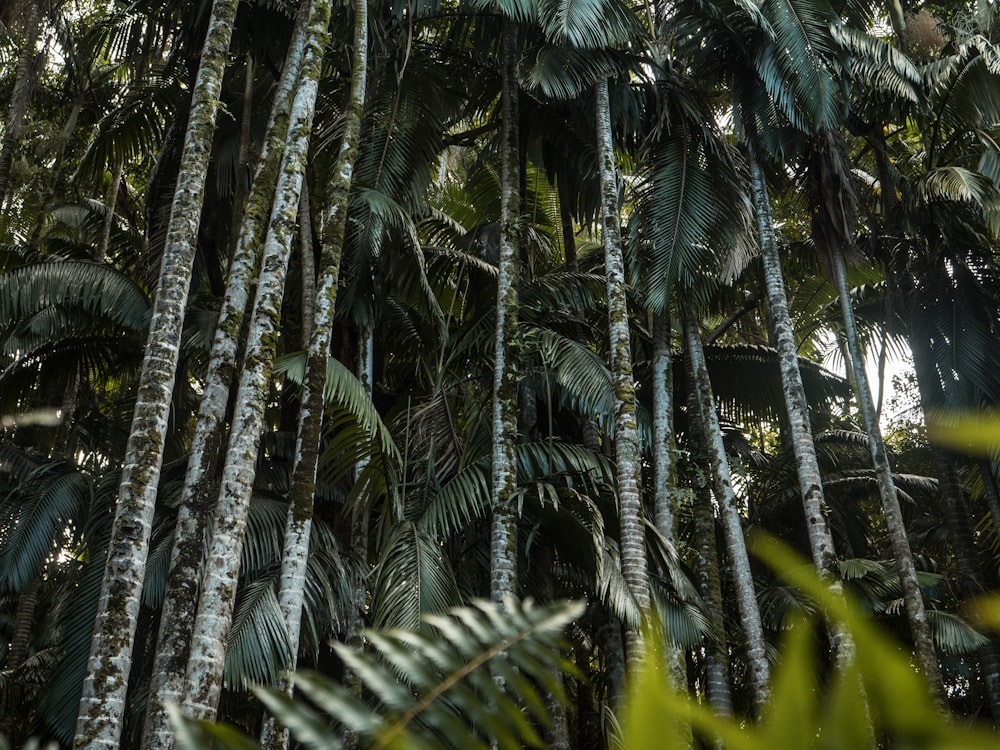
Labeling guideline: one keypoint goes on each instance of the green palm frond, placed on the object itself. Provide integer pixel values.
(561, 73)
(413, 578)
(588, 23)
(44, 302)
(345, 392)
(257, 650)
(955, 183)
(45, 514)
(952, 634)
(878, 67)
(580, 376)
(437, 687)
(799, 69)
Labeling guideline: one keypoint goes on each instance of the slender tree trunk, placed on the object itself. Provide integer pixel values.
(706, 569)
(628, 456)
(308, 265)
(729, 513)
(24, 84)
(810, 481)
(299, 524)
(102, 703)
(665, 469)
(203, 678)
(920, 630)
(200, 487)
(503, 535)
(109, 218)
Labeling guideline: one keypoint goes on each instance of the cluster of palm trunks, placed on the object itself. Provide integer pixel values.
(320, 317)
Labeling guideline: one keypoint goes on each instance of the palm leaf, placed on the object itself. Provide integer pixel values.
(436, 687)
(257, 650)
(413, 578)
(590, 24)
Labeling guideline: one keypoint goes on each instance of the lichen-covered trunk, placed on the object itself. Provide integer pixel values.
(203, 677)
(200, 489)
(810, 481)
(950, 493)
(920, 630)
(824, 554)
(24, 84)
(707, 420)
(628, 456)
(299, 523)
(503, 534)
(102, 703)
(665, 469)
(707, 571)
(110, 202)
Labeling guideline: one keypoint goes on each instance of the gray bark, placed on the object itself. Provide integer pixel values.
(295, 552)
(24, 84)
(200, 487)
(706, 569)
(627, 451)
(203, 677)
(102, 703)
(503, 534)
(920, 630)
(730, 515)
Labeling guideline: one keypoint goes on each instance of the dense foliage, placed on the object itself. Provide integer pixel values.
(323, 324)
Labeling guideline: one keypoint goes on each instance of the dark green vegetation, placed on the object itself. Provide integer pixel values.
(319, 320)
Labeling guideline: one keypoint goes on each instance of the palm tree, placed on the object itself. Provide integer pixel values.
(297, 531)
(181, 596)
(103, 698)
(503, 537)
(706, 420)
(203, 677)
(24, 84)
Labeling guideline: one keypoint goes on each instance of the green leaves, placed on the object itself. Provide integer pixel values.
(436, 687)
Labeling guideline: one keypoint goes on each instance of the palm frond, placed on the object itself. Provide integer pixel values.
(413, 578)
(437, 686)
(590, 24)
(257, 650)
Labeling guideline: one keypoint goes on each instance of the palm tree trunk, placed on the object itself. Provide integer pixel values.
(299, 525)
(109, 218)
(203, 678)
(102, 703)
(706, 569)
(732, 523)
(627, 452)
(180, 598)
(24, 84)
(503, 534)
(920, 629)
(665, 469)
(820, 540)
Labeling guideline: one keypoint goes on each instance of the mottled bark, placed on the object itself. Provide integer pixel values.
(24, 84)
(110, 202)
(810, 481)
(664, 467)
(102, 703)
(203, 678)
(295, 553)
(920, 630)
(308, 263)
(200, 486)
(707, 571)
(707, 420)
(628, 456)
(503, 533)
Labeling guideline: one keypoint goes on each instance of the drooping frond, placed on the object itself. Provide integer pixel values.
(588, 23)
(257, 650)
(799, 70)
(436, 687)
(413, 578)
